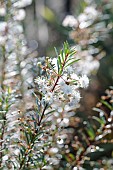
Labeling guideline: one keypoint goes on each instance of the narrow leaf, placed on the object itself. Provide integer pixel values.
(107, 104)
(69, 64)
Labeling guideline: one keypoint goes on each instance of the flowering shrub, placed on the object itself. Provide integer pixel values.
(46, 136)
(49, 134)
(57, 83)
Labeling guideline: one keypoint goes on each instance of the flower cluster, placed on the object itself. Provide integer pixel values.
(58, 93)
(61, 81)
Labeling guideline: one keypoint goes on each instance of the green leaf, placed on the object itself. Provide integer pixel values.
(71, 63)
(62, 55)
(59, 62)
(107, 104)
(69, 59)
(27, 137)
(102, 122)
(50, 112)
(66, 47)
(72, 53)
(90, 131)
(97, 109)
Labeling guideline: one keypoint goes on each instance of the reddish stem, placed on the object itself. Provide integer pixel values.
(59, 75)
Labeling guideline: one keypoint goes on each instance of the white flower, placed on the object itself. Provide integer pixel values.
(60, 141)
(22, 3)
(5, 158)
(67, 89)
(3, 26)
(48, 97)
(75, 168)
(2, 11)
(53, 150)
(70, 21)
(20, 15)
(74, 76)
(90, 10)
(69, 69)
(17, 29)
(84, 81)
(40, 81)
(3, 40)
(82, 17)
(74, 99)
(66, 121)
(16, 152)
